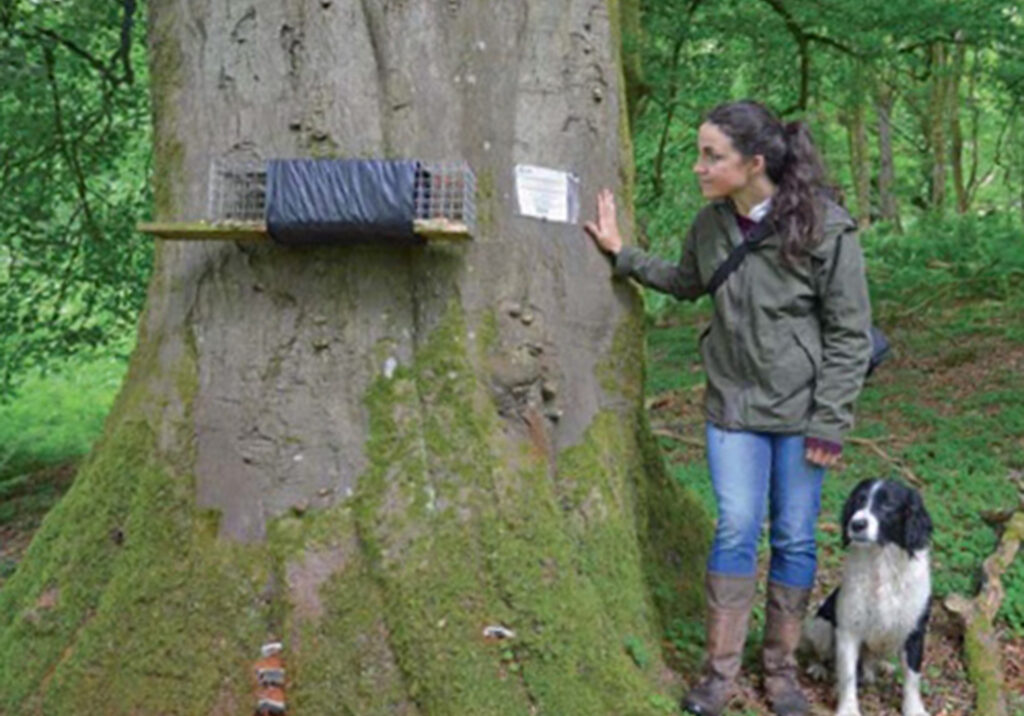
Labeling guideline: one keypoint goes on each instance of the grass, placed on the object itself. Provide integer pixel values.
(45, 429)
(54, 418)
(948, 409)
(952, 417)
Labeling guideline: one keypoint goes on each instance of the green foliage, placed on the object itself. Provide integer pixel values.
(1013, 601)
(687, 638)
(637, 651)
(74, 158)
(816, 61)
(55, 417)
(662, 703)
(979, 256)
(947, 291)
(950, 406)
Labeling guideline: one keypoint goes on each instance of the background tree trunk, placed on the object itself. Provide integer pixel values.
(961, 184)
(936, 119)
(884, 101)
(371, 453)
(852, 118)
(858, 138)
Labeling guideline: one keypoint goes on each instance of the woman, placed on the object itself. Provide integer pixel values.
(785, 356)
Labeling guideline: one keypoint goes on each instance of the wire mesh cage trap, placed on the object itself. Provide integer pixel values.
(244, 201)
(237, 191)
(444, 195)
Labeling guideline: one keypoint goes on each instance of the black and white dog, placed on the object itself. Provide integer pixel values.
(882, 605)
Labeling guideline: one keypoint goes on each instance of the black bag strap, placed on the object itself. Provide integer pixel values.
(732, 262)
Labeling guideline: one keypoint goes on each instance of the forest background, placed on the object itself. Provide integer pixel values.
(916, 106)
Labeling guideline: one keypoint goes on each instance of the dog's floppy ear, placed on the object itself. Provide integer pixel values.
(849, 507)
(917, 523)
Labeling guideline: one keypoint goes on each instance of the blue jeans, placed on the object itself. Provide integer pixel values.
(749, 472)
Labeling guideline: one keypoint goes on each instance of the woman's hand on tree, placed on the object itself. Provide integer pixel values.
(606, 231)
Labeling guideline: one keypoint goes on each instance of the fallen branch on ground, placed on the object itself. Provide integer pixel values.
(667, 397)
(873, 445)
(981, 645)
(936, 295)
(665, 433)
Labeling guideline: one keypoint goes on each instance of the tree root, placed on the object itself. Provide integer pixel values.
(981, 645)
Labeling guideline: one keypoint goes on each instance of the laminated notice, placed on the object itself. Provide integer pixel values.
(547, 194)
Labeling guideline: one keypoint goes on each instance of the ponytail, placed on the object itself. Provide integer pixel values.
(792, 163)
(796, 207)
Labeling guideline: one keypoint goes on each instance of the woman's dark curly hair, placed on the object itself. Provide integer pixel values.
(792, 163)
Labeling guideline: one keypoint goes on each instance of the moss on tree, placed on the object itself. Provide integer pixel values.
(128, 602)
(127, 594)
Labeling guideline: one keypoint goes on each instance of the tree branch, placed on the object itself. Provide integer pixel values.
(69, 151)
(824, 40)
(803, 40)
(671, 102)
(121, 55)
(665, 433)
(124, 50)
(873, 445)
(670, 113)
(42, 32)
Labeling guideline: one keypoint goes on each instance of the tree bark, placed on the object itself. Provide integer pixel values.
(884, 101)
(936, 123)
(371, 453)
(851, 116)
(961, 185)
(632, 57)
(858, 139)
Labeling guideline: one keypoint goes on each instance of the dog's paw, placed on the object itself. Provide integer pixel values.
(913, 708)
(848, 711)
(817, 671)
(912, 703)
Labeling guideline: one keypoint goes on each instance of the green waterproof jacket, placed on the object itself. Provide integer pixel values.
(789, 342)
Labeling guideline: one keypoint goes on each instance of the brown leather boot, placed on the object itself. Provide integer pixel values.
(729, 602)
(784, 615)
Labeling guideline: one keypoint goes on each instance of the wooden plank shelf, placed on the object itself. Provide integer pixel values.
(201, 230)
(440, 229)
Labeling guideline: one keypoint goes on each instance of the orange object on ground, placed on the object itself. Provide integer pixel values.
(271, 701)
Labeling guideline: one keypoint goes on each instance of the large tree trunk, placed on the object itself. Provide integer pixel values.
(371, 453)
(632, 56)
